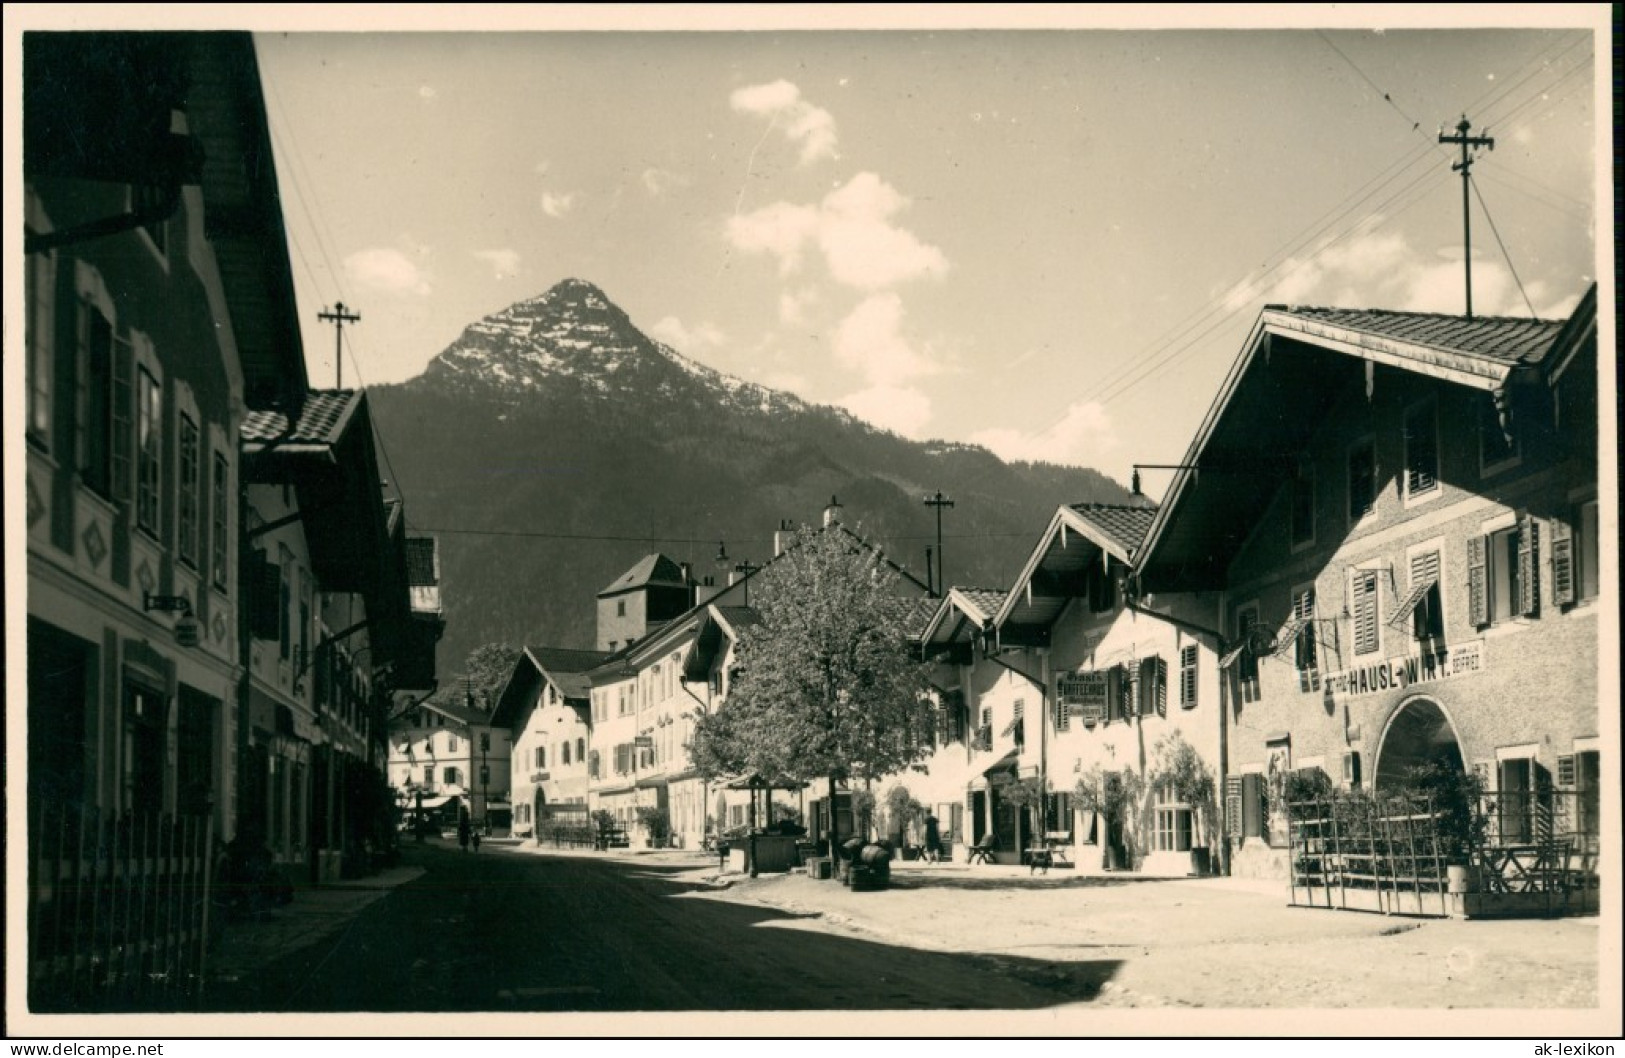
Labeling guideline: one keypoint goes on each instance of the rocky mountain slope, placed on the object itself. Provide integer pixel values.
(554, 443)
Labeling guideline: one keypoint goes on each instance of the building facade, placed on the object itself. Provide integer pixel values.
(546, 709)
(1419, 583)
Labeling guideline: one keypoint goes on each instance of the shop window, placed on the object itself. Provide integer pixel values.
(1187, 677)
(1362, 480)
(1421, 451)
(186, 492)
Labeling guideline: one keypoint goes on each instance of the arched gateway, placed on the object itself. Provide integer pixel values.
(1418, 733)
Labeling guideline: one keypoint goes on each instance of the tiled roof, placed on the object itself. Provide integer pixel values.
(1122, 524)
(651, 569)
(987, 600)
(450, 702)
(1503, 339)
(421, 568)
(914, 615)
(740, 616)
(567, 668)
(322, 419)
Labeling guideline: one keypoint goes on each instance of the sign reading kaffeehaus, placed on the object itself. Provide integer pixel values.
(1397, 673)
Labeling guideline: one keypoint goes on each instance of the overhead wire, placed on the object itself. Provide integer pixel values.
(1498, 241)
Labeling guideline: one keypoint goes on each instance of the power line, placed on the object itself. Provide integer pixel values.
(646, 538)
(1507, 256)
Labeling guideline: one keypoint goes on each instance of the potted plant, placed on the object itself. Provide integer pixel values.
(1111, 794)
(656, 823)
(1027, 796)
(1180, 772)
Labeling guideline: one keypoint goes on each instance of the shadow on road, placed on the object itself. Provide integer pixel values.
(945, 880)
(521, 933)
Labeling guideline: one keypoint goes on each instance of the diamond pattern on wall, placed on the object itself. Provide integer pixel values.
(36, 506)
(219, 626)
(144, 577)
(95, 546)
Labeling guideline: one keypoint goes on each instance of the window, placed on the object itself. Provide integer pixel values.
(1187, 677)
(1173, 828)
(450, 776)
(1496, 452)
(485, 741)
(148, 449)
(1502, 573)
(620, 607)
(218, 546)
(428, 775)
(1305, 646)
(1153, 686)
(40, 280)
(285, 604)
(187, 493)
(451, 743)
(581, 749)
(1574, 556)
(1303, 506)
(1364, 590)
(104, 401)
(1362, 480)
(537, 756)
(1427, 613)
(1421, 451)
(1247, 663)
(565, 756)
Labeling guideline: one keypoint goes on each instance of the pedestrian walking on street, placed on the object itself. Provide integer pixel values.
(475, 838)
(933, 839)
(463, 830)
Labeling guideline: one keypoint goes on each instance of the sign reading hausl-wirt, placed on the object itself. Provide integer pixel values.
(1393, 674)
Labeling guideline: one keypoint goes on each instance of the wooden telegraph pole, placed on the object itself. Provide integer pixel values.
(1465, 168)
(338, 318)
(939, 501)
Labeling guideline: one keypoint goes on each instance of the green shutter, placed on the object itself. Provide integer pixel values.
(1562, 563)
(1478, 596)
(1528, 566)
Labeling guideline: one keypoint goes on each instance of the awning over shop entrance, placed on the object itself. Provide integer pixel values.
(1005, 765)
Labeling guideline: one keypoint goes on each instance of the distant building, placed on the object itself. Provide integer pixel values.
(449, 759)
(643, 598)
(546, 709)
(1397, 515)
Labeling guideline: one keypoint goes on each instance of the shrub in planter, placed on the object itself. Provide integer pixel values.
(1112, 794)
(657, 823)
(1456, 797)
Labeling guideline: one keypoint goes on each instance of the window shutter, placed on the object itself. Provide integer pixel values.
(1187, 677)
(123, 355)
(1365, 611)
(1478, 596)
(1528, 566)
(1562, 563)
(1232, 806)
(1565, 772)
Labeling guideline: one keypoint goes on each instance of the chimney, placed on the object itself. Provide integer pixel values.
(782, 536)
(832, 513)
(705, 590)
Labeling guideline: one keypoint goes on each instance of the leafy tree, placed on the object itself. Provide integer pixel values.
(828, 686)
(485, 673)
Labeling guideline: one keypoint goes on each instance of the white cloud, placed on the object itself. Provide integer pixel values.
(1081, 438)
(504, 263)
(870, 341)
(810, 127)
(428, 91)
(902, 410)
(387, 270)
(853, 229)
(862, 247)
(793, 306)
(674, 333)
(781, 229)
(659, 181)
(558, 204)
(1381, 269)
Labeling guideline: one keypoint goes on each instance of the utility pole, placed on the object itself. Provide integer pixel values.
(939, 501)
(1465, 168)
(338, 318)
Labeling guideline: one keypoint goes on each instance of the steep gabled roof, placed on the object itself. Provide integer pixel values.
(1292, 369)
(567, 669)
(651, 571)
(322, 418)
(1077, 536)
(961, 611)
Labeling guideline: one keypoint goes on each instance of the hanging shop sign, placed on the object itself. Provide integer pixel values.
(1398, 673)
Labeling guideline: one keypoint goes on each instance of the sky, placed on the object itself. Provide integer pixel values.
(1049, 242)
